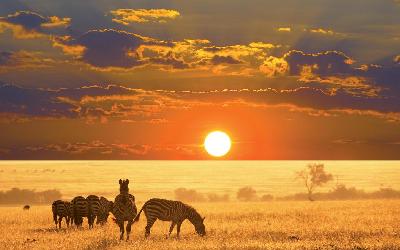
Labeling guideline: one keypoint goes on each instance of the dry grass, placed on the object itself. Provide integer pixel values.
(275, 225)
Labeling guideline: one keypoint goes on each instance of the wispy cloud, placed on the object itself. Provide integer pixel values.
(27, 25)
(128, 16)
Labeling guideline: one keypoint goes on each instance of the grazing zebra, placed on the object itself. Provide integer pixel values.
(61, 209)
(94, 207)
(80, 209)
(175, 211)
(124, 208)
(106, 207)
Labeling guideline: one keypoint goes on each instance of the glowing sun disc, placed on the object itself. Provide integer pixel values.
(217, 143)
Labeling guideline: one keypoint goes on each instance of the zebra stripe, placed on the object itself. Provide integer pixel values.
(168, 210)
(61, 209)
(105, 208)
(94, 207)
(80, 208)
(124, 208)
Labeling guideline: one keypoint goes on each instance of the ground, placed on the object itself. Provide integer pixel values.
(234, 225)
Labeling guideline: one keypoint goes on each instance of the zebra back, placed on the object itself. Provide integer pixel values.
(80, 208)
(124, 208)
(54, 209)
(169, 210)
(106, 207)
(94, 204)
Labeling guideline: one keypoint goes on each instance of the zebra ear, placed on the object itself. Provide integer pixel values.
(204, 218)
(127, 181)
(120, 181)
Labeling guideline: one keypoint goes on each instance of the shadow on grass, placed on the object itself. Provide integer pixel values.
(52, 230)
(103, 244)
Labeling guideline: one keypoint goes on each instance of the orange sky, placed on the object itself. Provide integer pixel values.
(141, 80)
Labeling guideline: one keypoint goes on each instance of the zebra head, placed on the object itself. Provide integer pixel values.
(199, 227)
(198, 222)
(123, 186)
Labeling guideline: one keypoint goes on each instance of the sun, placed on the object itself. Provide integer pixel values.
(217, 143)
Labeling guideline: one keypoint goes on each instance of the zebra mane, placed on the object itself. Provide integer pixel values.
(193, 211)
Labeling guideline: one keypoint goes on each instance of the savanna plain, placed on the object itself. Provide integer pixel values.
(368, 224)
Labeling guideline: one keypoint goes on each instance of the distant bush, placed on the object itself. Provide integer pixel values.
(24, 196)
(212, 197)
(341, 192)
(246, 194)
(190, 195)
(266, 197)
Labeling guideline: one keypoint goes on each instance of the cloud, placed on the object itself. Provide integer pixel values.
(22, 60)
(32, 102)
(397, 59)
(111, 49)
(323, 31)
(216, 59)
(128, 16)
(273, 66)
(114, 49)
(97, 149)
(285, 29)
(101, 104)
(324, 63)
(106, 48)
(27, 24)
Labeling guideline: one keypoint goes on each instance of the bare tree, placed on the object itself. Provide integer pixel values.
(314, 176)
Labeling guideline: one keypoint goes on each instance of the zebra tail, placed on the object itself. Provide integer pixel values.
(138, 215)
(55, 217)
(53, 209)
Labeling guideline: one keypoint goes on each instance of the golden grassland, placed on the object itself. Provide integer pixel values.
(372, 224)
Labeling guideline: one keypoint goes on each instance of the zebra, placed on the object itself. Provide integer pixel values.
(94, 207)
(175, 211)
(80, 209)
(124, 208)
(61, 209)
(106, 207)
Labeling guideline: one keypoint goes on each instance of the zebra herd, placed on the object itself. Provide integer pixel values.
(124, 209)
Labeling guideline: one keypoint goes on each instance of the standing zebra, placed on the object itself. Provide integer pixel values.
(175, 211)
(80, 209)
(61, 209)
(106, 207)
(94, 207)
(124, 208)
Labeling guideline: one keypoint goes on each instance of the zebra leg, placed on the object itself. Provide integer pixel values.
(121, 229)
(90, 220)
(56, 221)
(128, 229)
(150, 222)
(59, 221)
(178, 228)
(171, 228)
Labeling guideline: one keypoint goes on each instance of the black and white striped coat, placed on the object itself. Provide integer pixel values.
(106, 207)
(80, 209)
(61, 209)
(124, 208)
(94, 208)
(168, 210)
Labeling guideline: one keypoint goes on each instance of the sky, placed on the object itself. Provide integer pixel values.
(119, 79)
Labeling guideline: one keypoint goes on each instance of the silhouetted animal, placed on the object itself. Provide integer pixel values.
(168, 210)
(61, 209)
(106, 207)
(80, 209)
(124, 208)
(94, 207)
(26, 207)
